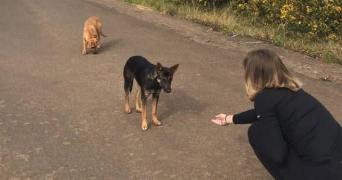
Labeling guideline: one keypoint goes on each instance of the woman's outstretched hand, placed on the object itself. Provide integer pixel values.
(223, 119)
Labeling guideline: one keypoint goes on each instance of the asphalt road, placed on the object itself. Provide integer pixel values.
(62, 113)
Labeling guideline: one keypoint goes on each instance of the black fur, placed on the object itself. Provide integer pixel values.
(151, 79)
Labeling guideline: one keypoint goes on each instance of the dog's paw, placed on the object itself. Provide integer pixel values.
(98, 46)
(128, 110)
(157, 123)
(138, 110)
(84, 52)
(144, 127)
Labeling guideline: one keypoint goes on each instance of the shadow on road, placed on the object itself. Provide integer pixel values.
(179, 102)
(107, 45)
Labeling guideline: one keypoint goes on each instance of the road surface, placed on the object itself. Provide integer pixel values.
(62, 113)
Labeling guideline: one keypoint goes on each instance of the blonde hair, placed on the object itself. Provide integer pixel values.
(264, 69)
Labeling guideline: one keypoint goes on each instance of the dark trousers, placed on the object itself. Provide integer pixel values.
(294, 168)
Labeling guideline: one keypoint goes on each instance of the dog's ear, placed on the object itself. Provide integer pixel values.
(174, 68)
(159, 67)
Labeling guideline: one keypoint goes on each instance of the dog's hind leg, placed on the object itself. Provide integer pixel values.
(100, 29)
(138, 100)
(154, 109)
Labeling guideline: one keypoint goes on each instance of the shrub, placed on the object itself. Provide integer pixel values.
(316, 19)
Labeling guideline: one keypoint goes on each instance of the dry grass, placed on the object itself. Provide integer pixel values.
(225, 21)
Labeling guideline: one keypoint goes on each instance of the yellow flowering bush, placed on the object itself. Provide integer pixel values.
(316, 19)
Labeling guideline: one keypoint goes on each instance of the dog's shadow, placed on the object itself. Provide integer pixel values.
(178, 102)
(107, 45)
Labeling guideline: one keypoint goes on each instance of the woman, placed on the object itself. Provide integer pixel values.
(293, 134)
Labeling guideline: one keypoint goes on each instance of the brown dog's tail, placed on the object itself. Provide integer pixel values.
(102, 33)
(100, 27)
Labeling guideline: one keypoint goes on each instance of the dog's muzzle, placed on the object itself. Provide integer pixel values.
(167, 90)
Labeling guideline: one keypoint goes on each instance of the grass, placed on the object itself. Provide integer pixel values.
(225, 21)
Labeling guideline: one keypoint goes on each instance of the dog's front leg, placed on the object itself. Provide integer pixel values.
(98, 40)
(154, 109)
(144, 125)
(138, 100)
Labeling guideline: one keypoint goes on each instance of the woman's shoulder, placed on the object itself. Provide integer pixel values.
(274, 95)
(278, 91)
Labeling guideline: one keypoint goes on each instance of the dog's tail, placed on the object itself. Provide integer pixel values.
(128, 85)
(100, 27)
(128, 76)
(102, 33)
(131, 87)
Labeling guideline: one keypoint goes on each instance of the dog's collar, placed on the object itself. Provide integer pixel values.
(158, 80)
(155, 76)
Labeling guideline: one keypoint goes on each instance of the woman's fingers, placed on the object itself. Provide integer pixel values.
(220, 115)
(219, 122)
(219, 119)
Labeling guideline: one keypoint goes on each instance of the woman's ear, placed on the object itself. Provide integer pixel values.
(174, 68)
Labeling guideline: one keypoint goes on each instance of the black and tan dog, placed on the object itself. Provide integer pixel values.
(150, 79)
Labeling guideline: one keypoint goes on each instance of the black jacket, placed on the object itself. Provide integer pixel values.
(294, 120)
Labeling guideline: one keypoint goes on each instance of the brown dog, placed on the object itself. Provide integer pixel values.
(92, 34)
